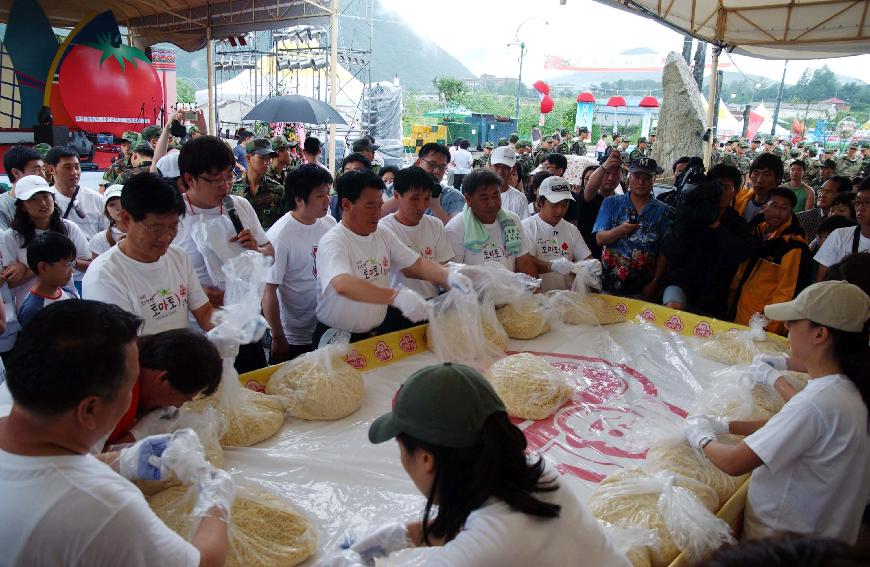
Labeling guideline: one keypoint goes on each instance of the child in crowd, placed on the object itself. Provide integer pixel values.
(51, 256)
(103, 241)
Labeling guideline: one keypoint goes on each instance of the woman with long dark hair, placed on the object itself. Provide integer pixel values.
(496, 506)
(810, 462)
(35, 213)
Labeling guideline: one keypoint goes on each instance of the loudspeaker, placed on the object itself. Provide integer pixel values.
(51, 135)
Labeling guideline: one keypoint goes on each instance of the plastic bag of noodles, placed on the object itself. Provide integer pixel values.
(463, 330)
(740, 347)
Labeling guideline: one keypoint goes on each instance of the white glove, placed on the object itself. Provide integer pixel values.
(763, 374)
(216, 489)
(142, 460)
(776, 361)
(699, 430)
(459, 281)
(720, 424)
(591, 267)
(155, 422)
(412, 305)
(562, 266)
(383, 542)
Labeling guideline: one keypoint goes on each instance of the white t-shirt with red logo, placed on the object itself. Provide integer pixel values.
(428, 239)
(162, 293)
(372, 258)
(548, 243)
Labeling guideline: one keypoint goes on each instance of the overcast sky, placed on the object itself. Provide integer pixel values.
(477, 33)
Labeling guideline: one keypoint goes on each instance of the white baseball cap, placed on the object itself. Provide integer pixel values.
(555, 189)
(835, 304)
(112, 191)
(30, 185)
(504, 155)
(168, 165)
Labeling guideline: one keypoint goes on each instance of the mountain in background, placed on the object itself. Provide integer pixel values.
(396, 50)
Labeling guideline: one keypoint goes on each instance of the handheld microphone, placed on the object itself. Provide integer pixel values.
(230, 206)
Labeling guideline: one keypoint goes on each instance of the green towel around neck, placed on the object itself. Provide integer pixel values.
(476, 235)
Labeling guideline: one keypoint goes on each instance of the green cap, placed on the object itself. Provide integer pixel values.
(42, 149)
(192, 129)
(734, 139)
(794, 153)
(641, 140)
(652, 132)
(865, 145)
(150, 132)
(279, 143)
(445, 404)
(130, 136)
(769, 141)
(742, 144)
(502, 142)
(811, 150)
(259, 146)
(488, 145)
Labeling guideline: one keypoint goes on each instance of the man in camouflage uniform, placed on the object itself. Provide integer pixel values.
(524, 158)
(624, 155)
(281, 162)
(483, 159)
(716, 153)
(813, 164)
(616, 142)
(578, 146)
(641, 150)
(140, 162)
(122, 164)
(543, 150)
(151, 134)
(742, 159)
(849, 165)
(265, 194)
(564, 146)
(827, 169)
(652, 139)
(754, 150)
(865, 157)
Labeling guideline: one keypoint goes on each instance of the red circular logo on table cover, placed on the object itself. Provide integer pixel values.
(255, 386)
(383, 352)
(674, 323)
(648, 315)
(356, 360)
(702, 329)
(586, 437)
(408, 343)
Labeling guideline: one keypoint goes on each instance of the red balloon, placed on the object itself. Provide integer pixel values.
(542, 87)
(547, 104)
(585, 97)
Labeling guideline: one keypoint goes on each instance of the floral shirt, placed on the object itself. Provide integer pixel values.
(629, 263)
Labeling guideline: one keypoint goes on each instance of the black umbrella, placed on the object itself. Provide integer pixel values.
(295, 108)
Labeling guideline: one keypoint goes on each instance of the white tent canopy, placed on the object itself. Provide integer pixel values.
(769, 29)
(727, 125)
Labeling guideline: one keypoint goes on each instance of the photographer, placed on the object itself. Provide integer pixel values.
(707, 242)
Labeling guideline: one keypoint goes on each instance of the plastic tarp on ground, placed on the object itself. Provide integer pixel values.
(383, 120)
(620, 374)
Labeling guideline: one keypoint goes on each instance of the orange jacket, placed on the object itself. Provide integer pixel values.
(777, 272)
(740, 200)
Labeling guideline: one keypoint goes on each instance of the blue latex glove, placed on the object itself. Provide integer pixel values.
(142, 460)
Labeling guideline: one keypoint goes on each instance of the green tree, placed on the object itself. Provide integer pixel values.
(823, 84)
(185, 90)
(450, 90)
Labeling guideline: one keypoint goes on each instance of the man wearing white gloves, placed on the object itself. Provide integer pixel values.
(70, 377)
(556, 245)
(355, 260)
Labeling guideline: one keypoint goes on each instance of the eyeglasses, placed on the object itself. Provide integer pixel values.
(435, 165)
(862, 203)
(161, 229)
(218, 181)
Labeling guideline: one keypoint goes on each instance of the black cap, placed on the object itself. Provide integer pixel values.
(363, 145)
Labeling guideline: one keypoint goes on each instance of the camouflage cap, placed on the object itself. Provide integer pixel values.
(642, 140)
(734, 139)
(42, 149)
(756, 140)
(742, 144)
(259, 146)
(865, 145)
(787, 142)
(130, 136)
(794, 153)
(769, 141)
(828, 150)
(829, 163)
(488, 145)
(279, 143)
(150, 132)
(652, 132)
(812, 150)
(502, 142)
(853, 146)
(193, 129)
(143, 147)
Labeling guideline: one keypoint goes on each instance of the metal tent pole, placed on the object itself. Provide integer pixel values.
(333, 82)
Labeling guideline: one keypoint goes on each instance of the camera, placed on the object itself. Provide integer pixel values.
(633, 217)
(177, 129)
(190, 115)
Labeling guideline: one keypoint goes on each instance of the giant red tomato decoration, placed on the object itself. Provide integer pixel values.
(547, 104)
(109, 87)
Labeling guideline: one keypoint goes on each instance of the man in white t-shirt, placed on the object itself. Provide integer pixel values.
(209, 235)
(502, 162)
(79, 205)
(485, 232)
(555, 244)
(844, 241)
(70, 378)
(355, 263)
(144, 274)
(290, 296)
(424, 234)
(462, 162)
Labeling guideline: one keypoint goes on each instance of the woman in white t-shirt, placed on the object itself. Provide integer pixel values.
(103, 241)
(495, 505)
(810, 462)
(35, 213)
